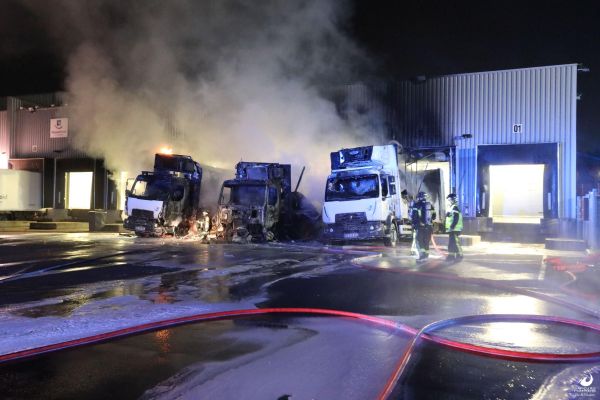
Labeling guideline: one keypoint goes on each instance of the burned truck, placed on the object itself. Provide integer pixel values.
(259, 204)
(165, 200)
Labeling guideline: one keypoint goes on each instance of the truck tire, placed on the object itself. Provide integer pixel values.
(392, 239)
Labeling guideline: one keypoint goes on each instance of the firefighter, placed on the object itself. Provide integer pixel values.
(454, 226)
(204, 226)
(414, 249)
(410, 203)
(422, 216)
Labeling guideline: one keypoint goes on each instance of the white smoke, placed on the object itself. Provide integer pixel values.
(219, 80)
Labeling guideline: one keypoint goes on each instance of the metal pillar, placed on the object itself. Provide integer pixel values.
(54, 186)
(593, 219)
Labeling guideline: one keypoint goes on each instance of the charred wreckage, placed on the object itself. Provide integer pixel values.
(259, 205)
(167, 199)
(363, 200)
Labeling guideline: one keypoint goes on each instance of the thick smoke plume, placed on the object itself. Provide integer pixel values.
(219, 80)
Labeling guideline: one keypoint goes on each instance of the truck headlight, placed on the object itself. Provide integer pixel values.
(375, 227)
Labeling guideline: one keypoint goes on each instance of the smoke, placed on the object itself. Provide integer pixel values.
(219, 80)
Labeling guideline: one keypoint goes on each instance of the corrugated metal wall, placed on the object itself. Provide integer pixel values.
(30, 131)
(486, 105)
(432, 112)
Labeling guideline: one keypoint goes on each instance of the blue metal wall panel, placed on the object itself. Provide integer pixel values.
(486, 105)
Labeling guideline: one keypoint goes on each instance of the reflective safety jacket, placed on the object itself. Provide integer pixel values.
(454, 219)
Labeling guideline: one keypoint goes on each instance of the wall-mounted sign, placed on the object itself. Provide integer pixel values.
(517, 128)
(59, 127)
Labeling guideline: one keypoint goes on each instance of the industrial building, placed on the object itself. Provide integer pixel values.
(41, 169)
(505, 141)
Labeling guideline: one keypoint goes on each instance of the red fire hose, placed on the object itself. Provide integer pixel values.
(424, 333)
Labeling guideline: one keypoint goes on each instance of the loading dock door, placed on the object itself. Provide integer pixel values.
(517, 193)
(79, 190)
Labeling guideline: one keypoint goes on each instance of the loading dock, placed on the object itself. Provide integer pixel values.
(489, 121)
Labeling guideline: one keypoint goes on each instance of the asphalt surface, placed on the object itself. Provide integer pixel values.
(62, 286)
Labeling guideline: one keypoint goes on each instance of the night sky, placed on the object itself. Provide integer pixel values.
(404, 39)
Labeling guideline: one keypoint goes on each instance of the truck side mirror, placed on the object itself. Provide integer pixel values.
(127, 193)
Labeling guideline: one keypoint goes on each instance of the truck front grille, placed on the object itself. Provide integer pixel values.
(351, 218)
(145, 214)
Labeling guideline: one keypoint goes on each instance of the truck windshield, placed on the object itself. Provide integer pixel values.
(251, 195)
(150, 188)
(352, 187)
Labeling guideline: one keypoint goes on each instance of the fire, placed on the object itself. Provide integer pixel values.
(166, 150)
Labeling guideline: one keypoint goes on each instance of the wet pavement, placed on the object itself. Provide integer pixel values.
(61, 287)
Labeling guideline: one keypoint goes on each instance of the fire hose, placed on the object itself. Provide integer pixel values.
(416, 335)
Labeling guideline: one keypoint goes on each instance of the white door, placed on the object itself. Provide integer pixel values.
(517, 193)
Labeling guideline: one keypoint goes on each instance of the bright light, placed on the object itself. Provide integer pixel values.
(162, 339)
(3, 160)
(517, 193)
(166, 150)
(512, 333)
(79, 190)
(121, 188)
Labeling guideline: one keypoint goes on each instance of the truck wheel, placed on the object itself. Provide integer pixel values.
(392, 240)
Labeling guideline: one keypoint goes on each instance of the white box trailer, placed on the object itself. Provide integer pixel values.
(20, 190)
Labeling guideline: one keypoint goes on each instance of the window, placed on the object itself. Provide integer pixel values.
(251, 195)
(151, 188)
(392, 184)
(384, 186)
(352, 187)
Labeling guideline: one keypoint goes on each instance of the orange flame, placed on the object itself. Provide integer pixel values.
(166, 150)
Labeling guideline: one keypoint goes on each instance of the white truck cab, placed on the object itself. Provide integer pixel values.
(362, 196)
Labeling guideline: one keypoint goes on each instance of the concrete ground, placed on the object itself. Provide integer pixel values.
(62, 286)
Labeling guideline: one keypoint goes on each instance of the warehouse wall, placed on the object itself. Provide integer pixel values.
(30, 131)
(433, 111)
(487, 104)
